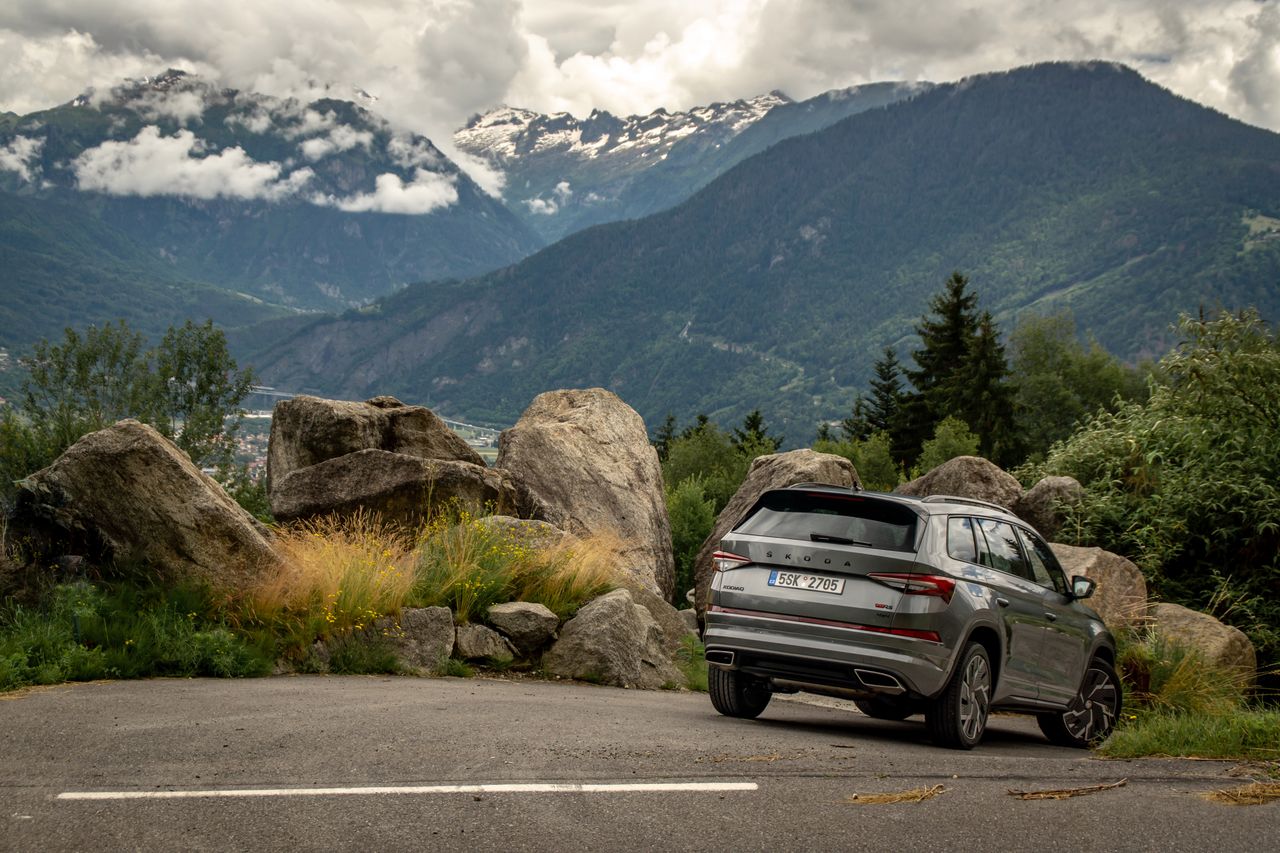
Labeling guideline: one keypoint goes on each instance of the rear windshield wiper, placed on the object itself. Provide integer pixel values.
(836, 540)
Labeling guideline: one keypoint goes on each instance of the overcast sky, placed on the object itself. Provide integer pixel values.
(432, 63)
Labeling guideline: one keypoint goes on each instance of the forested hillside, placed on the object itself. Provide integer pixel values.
(775, 287)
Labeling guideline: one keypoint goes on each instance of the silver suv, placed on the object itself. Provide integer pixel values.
(941, 605)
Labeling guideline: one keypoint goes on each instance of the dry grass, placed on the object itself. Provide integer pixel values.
(334, 576)
(912, 795)
(1256, 794)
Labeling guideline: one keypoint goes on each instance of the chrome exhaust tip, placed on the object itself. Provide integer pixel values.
(879, 681)
(720, 657)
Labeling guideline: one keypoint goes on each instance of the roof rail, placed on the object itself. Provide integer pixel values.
(855, 486)
(956, 499)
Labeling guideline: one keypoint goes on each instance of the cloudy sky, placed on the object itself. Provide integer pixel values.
(432, 63)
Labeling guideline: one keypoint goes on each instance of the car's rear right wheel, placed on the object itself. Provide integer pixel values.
(1093, 712)
(958, 717)
(735, 694)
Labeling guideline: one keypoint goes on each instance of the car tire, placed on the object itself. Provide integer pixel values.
(957, 718)
(736, 695)
(885, 709)
(1093, 712)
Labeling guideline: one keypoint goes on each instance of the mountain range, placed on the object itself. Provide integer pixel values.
(564, 174)
(1076, 186)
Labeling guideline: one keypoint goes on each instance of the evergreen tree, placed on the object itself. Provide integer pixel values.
(754, 436)
(987, 401)
(877, 413)
(664, 436)
(946, 340)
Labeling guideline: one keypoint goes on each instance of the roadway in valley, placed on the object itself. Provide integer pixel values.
(363, 763)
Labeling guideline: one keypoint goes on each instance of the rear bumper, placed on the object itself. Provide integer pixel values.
(826, 655)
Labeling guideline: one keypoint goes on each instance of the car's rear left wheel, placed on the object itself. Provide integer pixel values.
(958, 717)
(735, 694)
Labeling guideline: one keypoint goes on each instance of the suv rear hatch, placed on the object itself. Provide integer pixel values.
(819, 557)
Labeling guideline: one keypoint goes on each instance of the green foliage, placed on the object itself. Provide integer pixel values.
(1187, 483)
(871, 457)
(693, 516)
(454, 668)
(1163, 676)
(1242, 735)
(691, 660)
(250, 493)
(188, 387)
(707, 453)
(1058, 381)
(468, 566)
(121, 631)
(359, 654)
(880, 412)
(753, 439)
(951, 438)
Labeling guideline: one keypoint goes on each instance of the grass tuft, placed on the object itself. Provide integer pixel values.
(691, 660)
(1243, 734)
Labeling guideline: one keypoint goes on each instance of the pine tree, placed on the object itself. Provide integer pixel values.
(879, 412)
(664, 436)
(754, 436)
(987, 402)
(947, 339)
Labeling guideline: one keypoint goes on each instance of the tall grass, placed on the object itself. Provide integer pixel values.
(335, 577)
(468, 566)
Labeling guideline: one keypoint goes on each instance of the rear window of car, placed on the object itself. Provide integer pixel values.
(838, 519)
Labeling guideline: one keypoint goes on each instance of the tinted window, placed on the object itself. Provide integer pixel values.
(960, 540)
(1003, 551)
(852, 520)
(1044, 565)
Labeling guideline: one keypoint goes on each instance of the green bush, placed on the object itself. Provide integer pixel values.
(692, 518)
(1187, 483)
(708, 453)
(951, 438)
(871, 457)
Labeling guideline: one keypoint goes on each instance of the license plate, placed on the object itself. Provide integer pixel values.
(813, 583)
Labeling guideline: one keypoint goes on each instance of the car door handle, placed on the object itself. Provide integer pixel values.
(1003, 602)
(1052, 617)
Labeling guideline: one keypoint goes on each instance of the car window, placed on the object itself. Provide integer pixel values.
(960, 539)
(1044, 565)
(1003, 550)
(839, 519)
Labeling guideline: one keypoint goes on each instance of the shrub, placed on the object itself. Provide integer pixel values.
(951, 438)
(871, 457)
(1187, 483)
(692, 519)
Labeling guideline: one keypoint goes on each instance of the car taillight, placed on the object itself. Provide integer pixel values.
(723, 561)
(938, 586)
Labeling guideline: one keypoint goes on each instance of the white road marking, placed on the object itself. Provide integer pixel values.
(488, 788)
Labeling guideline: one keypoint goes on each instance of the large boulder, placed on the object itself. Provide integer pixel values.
(127, 494)
(1121, 595)
(478, 642)
(1220, 645)
(674, 628)
(587, 456)
(401, 489)
(308, 430)
(422, 637)
(774, 471)
(967, 477)
(613, 641)
(1042, 505)
(528, 625)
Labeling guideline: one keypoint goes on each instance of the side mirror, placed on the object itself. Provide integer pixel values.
(1082, 587)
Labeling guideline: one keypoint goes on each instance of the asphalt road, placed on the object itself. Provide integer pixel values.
(410, 763)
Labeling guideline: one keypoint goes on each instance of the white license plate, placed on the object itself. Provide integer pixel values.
(813, 583)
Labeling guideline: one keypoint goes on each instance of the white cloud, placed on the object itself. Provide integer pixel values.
(186, 106)
(432, 63)
(340, 138)
(559, 198)
(427, 191)
(21, 156)
(541, 206)
(152, 164)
